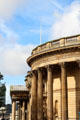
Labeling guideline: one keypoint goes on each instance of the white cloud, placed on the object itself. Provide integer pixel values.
(57, 5)
(7, 35)
(8, 7)
(8, 99)
(13, 59)
(12, 55)
(67, 23)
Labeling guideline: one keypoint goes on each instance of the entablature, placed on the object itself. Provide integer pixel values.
(54, 47)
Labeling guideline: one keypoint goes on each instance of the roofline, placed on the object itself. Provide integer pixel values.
(56, 40)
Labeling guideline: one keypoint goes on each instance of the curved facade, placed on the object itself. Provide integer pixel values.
(55, 89)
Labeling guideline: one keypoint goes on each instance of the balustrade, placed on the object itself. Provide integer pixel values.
(57, 44)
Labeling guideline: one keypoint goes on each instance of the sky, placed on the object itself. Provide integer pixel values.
(20, 24)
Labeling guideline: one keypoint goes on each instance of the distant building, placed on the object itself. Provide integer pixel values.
(20, 97)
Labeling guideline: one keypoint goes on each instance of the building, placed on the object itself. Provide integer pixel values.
(19, 95)
(54, 80)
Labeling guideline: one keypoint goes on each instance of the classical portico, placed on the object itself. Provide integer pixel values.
(37, 93)
(55, 77)
(52, 90)
(19, 96)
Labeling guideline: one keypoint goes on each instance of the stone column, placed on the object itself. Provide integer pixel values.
(23, 110)
(34, 96)
(13, 109)
(30, 107)
(49, 94)
(28, 111)
(64, 92)
(18, 111)
(40, 96)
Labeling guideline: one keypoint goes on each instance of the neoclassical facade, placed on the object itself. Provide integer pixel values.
(54, 80)
(19, 96)
(55, 69)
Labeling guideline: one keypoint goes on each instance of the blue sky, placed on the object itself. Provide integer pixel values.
(20, 22)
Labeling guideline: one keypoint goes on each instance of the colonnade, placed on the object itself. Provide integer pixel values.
(37, 93)
(37, 96)
(21, 110)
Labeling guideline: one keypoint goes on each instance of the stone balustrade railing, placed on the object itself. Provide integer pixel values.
(67, 41)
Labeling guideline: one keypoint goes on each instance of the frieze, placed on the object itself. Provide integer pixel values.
(19, 98)
(55, 59)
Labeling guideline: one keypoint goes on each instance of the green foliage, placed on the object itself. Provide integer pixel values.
(1, 76)
(2, 94)
(2, 91)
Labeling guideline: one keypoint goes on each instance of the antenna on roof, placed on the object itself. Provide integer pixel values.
(40, 35)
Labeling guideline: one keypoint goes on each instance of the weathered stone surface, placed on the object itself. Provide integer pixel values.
(54, 94)
(40, 96)
(13, 110)
(34, 95)
(49, 94)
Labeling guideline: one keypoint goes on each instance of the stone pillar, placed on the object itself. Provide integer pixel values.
(28, 111)
(23, 110)
(13, 110)
(30, 107)
(49, 94)
(40, 96)
(64, 92)
(18, 111)
(34, 96)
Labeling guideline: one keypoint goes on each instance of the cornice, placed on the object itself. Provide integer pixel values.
(51, 50)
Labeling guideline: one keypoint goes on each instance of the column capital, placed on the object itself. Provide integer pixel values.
(78, 62)
(62, 64)
(33, 72)
(40, 69)
(49, 67)
(14, 100)
(18, 103)
(29, 74)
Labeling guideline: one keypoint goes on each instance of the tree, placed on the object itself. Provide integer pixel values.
(1, 76)
(2, 91)
(2, 95)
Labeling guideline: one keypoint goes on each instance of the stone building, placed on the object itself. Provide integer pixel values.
(54, 80)
(19, 95)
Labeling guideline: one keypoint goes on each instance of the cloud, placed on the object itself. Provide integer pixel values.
(67, 23)
(57, 5)
(13, 59)
(8, 7)
(13, 54)
(8, 99)
(7, 35)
